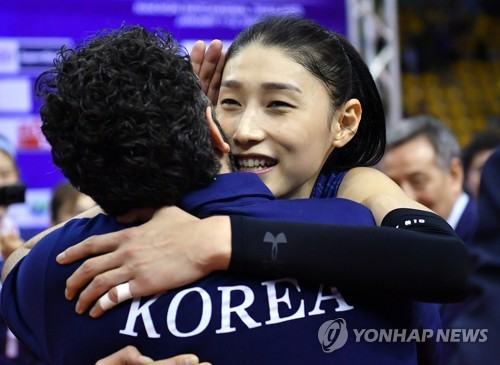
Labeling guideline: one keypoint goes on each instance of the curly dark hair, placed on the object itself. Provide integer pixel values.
(125, 116)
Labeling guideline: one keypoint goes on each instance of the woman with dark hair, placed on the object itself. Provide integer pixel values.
(334, 63)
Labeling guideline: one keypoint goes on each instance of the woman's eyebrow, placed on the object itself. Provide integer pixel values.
(280, 86)
(233, 84)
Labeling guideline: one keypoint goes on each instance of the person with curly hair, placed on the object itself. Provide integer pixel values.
(130, 126)
(94, 119)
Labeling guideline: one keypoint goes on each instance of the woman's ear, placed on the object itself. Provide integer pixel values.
(218, 143)
(349, 119)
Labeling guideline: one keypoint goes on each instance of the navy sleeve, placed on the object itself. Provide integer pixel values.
(423, 259)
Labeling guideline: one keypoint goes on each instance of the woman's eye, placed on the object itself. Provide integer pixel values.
(279, 104)
(229, 102)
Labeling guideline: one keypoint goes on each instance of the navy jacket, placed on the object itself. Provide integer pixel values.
(467, 224)
(223, 319)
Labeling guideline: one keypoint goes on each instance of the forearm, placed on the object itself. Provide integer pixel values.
(418, 261)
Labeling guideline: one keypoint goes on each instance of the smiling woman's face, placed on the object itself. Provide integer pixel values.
(277, 117)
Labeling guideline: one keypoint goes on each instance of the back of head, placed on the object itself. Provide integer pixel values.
(439, 135)
(336, 63)
(486, 140)
(125, 116)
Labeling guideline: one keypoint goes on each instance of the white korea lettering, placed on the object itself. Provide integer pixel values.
(341, 303)
(239, 310)
(274, 301)
(206, 313)
(284, 296)
(137, 310)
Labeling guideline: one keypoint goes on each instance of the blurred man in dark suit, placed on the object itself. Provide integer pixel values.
(423, 157)
(482, 310)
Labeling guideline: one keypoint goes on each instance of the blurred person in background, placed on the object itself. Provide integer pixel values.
(68, 202)
(423, 157)
(481, 311)
(12, 352)
(9, 176)
(474, 156)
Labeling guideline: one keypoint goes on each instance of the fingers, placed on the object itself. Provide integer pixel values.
(208, 66)
(114, 296)
(131, 356)
(179, 360)
(214, 87)
(90, 270)
(105, 246)
(91, 246)
(196, 56)
(143, 257)
(126, 356)
(102, 284)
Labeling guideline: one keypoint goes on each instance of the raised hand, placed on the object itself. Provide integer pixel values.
(208, 65)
